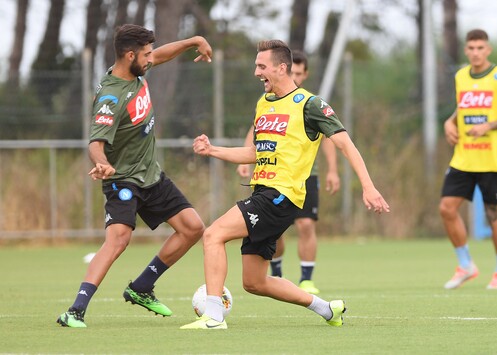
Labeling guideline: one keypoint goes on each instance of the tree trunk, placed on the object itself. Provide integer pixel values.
(49, 47)
(95, 18)
(419, 51)
(121, 17)
(168, 14)
(140, 12)
(450, 43)
(18, 44)
(298, 24)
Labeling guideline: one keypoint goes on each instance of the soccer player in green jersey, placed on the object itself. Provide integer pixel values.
(122, 149)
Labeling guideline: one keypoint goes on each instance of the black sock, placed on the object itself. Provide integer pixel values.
(276, 269)
(306, 272)
(85, 293)
(145, 282)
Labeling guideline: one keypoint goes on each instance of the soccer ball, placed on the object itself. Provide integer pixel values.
(200, 297)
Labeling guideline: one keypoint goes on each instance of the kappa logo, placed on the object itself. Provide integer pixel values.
(105, 110)
(154, 269)
(254, 218)
(107, 217)
(130, 93)
(247, 202)
(83, 292)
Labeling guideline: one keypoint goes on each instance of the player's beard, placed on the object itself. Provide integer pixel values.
(136, 69)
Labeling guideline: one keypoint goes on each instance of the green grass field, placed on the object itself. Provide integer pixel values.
(393, 291)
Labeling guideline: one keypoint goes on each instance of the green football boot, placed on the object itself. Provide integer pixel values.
(146, 300)
(338, 309)
(73, 318)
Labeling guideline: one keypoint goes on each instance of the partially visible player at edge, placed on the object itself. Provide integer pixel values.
(122, 147)
(472, 130)
(305, 222)
(292, 121)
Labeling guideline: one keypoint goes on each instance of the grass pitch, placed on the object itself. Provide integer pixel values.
(393, 291)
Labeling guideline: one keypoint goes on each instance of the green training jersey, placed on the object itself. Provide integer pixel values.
(123, 118)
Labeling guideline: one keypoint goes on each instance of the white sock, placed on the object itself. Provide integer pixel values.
(214, 308)
(321, 307)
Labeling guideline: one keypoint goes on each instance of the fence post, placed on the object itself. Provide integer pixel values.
(216, 166)
(85, 126)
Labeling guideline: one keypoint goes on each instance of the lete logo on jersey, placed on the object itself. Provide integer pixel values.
(140, 106)
(272, 123)
(475, 99)
(326, 109)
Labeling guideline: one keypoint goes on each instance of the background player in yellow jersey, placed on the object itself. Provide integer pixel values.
(288, 125)
(472, 131)
(305, 222)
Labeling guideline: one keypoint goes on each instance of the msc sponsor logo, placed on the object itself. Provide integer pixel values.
(140, 106)
(298, 97)
(263, 174)
(272, 123)
(478, 119)
(148, 127)
(475, 99)
(266, 161)
(265, 146)
(105, 120)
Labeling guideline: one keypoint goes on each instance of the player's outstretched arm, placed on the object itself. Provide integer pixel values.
(371, 197)
(171, 50)
(239, 155)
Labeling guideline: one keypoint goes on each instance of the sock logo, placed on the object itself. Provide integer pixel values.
(254, 218)
(82, 292)
(154, 269)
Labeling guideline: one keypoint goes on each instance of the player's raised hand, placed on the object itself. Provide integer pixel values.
(205, 51)
(373, 200)
(101, 171)
(201, 145)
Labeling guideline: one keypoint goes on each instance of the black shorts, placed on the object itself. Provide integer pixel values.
(311, 203)
(154, 204)
(267, 214)
(462, 184)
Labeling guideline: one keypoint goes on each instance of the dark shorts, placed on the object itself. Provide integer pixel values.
(154, 204)
(267, 214)
(462, 184)
(311, 203)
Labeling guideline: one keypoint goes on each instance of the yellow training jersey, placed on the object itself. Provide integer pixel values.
(284, 152)
(476, 104)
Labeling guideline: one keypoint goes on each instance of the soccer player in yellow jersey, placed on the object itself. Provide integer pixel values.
(472, 130)
(305, 221)
(289, 124)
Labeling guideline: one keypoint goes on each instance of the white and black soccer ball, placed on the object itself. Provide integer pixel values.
(200, 297)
